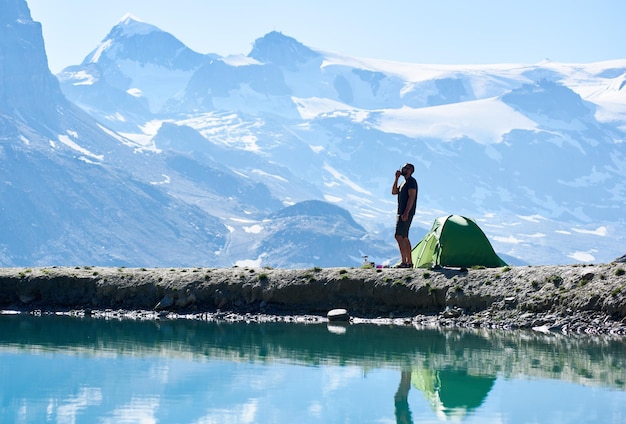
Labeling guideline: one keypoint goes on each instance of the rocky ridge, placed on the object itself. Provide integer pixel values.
(569, 299)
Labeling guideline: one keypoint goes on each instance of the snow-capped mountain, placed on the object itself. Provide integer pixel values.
(75, 192)
(535, 153)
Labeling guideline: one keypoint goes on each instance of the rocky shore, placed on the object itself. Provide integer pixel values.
(587, 299)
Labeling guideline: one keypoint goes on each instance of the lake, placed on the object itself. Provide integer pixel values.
(64, 369)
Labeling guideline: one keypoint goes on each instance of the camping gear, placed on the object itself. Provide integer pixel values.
(455, 241)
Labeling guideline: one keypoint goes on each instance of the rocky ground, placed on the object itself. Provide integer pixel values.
(569, 299)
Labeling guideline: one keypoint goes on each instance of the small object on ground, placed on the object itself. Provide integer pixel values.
(338, 315)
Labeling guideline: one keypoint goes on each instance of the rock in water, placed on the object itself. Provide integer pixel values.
(338, 315)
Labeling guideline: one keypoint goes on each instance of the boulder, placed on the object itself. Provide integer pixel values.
(338, 315)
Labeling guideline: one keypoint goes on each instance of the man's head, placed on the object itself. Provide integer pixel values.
(407, 169)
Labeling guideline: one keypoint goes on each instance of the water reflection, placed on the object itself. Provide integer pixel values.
(55, 368)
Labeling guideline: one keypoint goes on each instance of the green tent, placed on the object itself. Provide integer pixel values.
(455, 241)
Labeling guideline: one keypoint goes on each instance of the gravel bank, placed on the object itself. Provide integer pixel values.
(569, 299)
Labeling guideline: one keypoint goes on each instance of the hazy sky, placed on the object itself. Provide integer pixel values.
(417, 31)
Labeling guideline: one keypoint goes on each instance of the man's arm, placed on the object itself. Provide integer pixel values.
(395, 190)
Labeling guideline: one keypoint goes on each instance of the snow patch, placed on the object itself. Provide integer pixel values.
(313, 107)
(484, 121)
(117, 117)
(535, 235)
(531, 218)
(166, 180)
(332, 199)
(253, 229)
(131, 25)
(72, 144)
(582, 256)
(239, 60)
(82, 78)
(345, 180)
(267, 174)
(600, 231)
(104, 46)
(135, 92)
(509, 239)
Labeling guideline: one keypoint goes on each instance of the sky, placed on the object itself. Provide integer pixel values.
(415, 31)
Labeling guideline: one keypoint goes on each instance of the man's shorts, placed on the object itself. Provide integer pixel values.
(402, 227)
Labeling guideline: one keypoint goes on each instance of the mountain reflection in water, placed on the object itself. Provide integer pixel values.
(164, 368)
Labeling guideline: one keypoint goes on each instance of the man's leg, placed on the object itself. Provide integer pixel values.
(405, 249)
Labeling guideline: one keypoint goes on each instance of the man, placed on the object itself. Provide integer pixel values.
(407, 199)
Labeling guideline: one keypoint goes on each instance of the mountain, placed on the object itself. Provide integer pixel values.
(535, 153)
(68, 192)
(76, 192)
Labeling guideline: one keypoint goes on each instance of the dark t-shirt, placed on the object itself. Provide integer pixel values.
(403, 196)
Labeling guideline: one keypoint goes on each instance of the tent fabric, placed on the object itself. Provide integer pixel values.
(455, 241)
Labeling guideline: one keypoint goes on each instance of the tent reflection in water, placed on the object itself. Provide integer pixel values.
(455, 241)
(452, 393)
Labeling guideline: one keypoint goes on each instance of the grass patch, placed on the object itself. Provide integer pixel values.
(262, 277)
(557, 280)
(426, 275)
(619, 272)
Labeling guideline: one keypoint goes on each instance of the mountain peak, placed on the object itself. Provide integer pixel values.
(130, 25)
(134, 39)
(26, 84)
(279, 49)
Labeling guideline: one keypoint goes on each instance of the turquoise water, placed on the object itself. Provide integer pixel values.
(60, 369)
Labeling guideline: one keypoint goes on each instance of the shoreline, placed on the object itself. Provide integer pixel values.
(568, 299)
